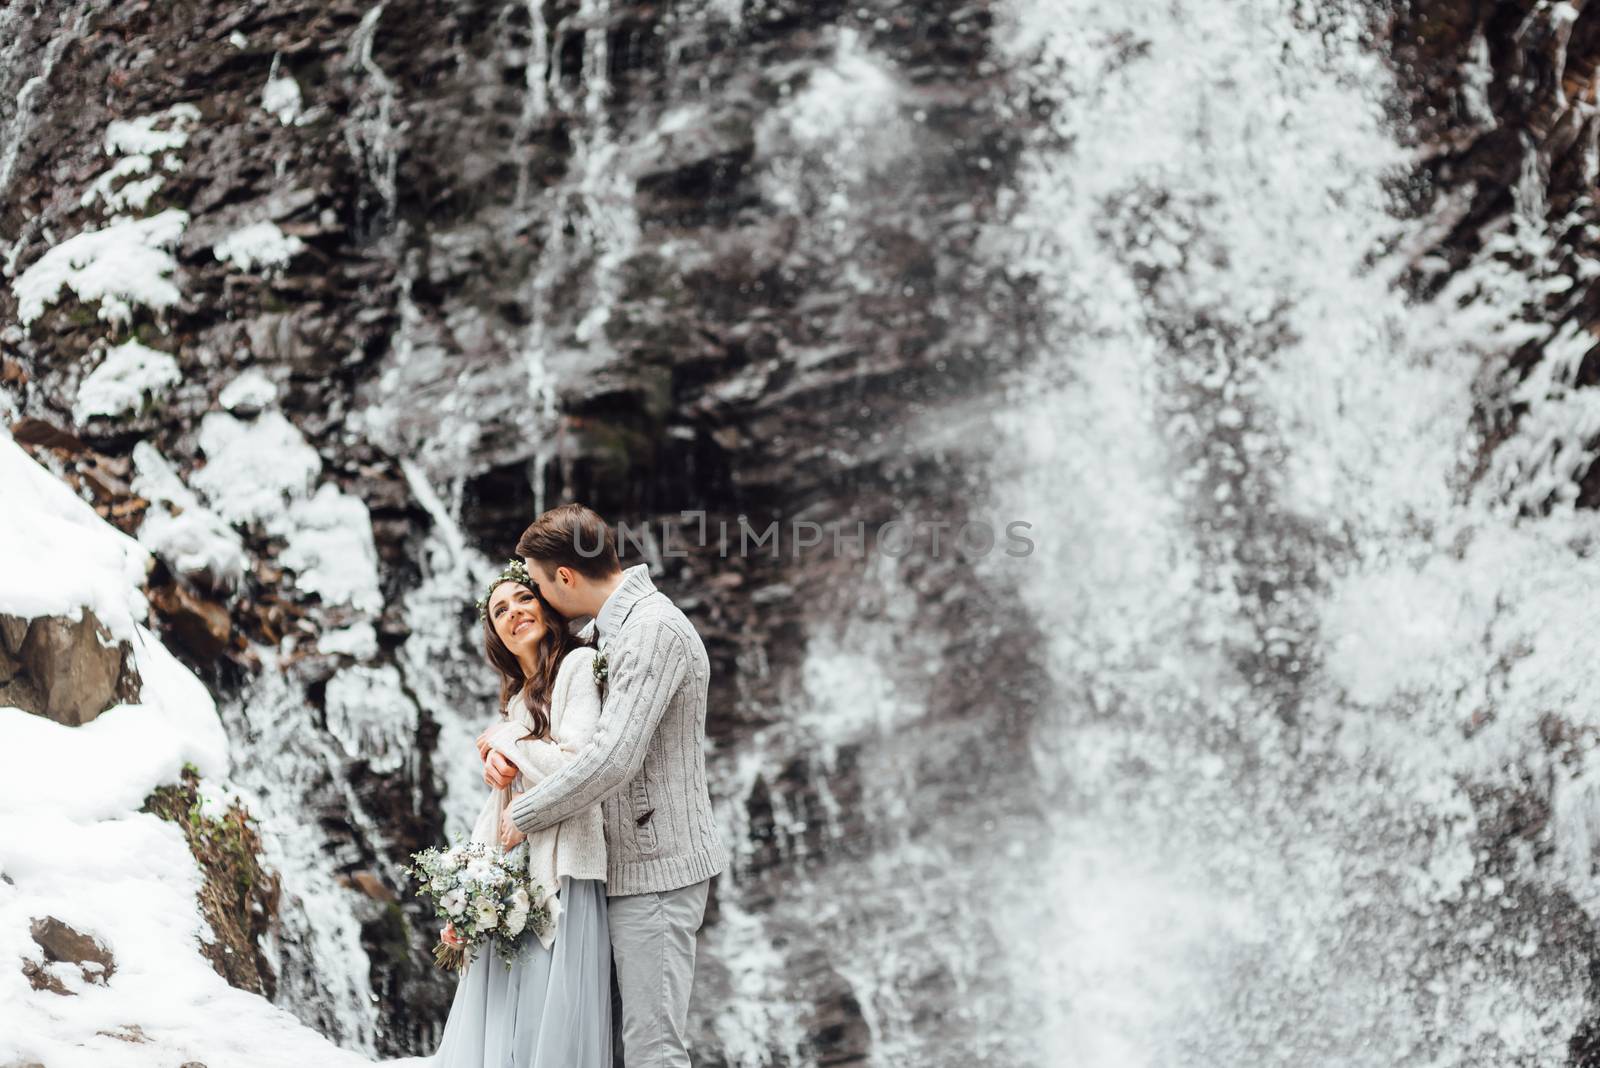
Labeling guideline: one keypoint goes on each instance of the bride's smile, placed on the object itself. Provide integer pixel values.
(518, 619)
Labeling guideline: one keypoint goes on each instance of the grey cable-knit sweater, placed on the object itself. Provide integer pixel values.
(646, 759)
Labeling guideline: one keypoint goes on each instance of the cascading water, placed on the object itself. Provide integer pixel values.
(1273, 815)
(1258, 819)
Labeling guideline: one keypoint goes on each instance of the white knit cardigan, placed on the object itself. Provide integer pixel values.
(575, 847)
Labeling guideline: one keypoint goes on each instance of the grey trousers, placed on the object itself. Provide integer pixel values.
(652, 946)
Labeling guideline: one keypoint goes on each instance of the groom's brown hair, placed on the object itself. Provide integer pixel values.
(571, 536)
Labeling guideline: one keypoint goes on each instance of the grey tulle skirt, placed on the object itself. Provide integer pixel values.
(551, 1008)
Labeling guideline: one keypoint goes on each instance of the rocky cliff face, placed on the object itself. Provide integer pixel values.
(376, 282)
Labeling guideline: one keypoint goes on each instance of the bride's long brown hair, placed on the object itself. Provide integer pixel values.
(537, 688)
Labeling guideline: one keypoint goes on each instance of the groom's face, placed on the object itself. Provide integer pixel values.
(556, 586)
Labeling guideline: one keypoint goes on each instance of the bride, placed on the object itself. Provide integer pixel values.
(552, 1007)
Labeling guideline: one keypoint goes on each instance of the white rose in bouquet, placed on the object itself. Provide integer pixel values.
(488, 915)
(517, 918)
(455, 903)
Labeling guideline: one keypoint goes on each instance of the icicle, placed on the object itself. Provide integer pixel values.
(537, 101)
(536, 96)
(451, 536)
(1563, 16)
(596, 18)
(370, 130)
(1528, 195)
(1477, 76)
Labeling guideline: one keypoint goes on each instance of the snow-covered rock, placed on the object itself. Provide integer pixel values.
(124, 265)
(76, 849)
(248, 394)
(58, 558)
(330, 549)
(281, 97)
(254, 468)
(129, 375)
(149, 134)
(359, 640)
(260, 244)
(192, 539)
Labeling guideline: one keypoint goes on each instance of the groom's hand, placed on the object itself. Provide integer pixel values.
(510, 837)
(498, 772)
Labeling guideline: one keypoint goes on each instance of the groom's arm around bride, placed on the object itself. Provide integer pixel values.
(646, 763)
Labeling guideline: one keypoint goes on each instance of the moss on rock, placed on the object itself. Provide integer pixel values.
(239, 897)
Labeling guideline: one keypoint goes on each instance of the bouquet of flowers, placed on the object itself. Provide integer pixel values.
(481, 893)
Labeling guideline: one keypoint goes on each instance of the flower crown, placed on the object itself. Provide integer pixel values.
(516, 571)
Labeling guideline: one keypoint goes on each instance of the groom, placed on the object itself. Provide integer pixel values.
(646, 762)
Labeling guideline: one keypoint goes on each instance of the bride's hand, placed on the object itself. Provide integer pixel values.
(483, 746)
(510, 836)
(449, 937)
(498, 771)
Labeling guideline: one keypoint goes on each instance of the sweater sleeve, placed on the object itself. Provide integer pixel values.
(650, 664)
(576, 703)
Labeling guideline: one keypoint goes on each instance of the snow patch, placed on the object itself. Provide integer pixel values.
(128, 375)
(330, 549)
(149, 134)
(126, 752)
(260, 244)
(122, 266)
(252, 390)
(359, 640)
(192, 539)
(281, 97)
(262, 471)
(129, 194)
(254, 468)
(57, 557)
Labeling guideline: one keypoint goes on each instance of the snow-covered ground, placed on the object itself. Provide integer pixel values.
(73, 843)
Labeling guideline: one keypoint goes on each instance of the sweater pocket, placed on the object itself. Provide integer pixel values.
(644, 816)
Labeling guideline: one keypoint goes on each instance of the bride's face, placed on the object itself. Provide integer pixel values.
(514, 611)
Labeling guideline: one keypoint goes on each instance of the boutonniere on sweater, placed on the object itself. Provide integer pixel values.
(600, 674)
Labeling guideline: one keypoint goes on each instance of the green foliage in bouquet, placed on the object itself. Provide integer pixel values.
(482, 894)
